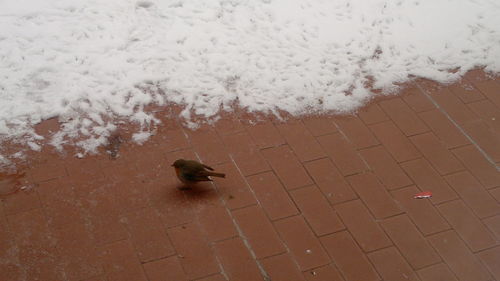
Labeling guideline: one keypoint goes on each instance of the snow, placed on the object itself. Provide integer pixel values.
(93, 62)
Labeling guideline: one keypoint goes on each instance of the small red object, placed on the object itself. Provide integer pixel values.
(421, 195)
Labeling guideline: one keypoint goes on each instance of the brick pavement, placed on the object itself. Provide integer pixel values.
(321, 198)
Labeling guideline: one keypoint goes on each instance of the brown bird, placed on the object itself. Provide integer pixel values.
(190, 171)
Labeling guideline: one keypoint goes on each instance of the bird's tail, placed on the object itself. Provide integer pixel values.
(219, 175)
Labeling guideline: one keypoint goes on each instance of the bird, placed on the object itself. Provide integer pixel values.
(191, 171)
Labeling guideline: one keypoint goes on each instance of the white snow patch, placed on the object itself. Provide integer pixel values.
(88, 62)
(141, 137)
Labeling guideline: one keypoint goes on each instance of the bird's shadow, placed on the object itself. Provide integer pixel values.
(196, 192)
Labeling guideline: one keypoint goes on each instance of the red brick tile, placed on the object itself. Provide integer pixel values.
(121, 263)
(440, 157)
(245, 153)
(10, 269)
(320, 125)
(282, 268)
(371, 114)
(303, 245)
(31, 228)
(444, 129)
(77, 250)
(488, 112)
(290, 171)
(495, 192)
(478, 75)
(301, 140)
(437, 272)
(195, 255)
(473, 194)
(233, 188)
(484, 171)
(466, 92)
(374, 195)
(342, 153)
(421, 212)
(458, 257)
(485, 137)
(349, 258)
(356, 131)
(272, 196)
(265, 135)
(215, 220)
(403, 116)
(170, 140)
(490, 89)
(417, 100)
(427, 179)
(330, 181)
(21, 201)
(324, 273)
(493, 223)
(316, 210)
(165, 270)
(384, 166)
(130, 195)
(258, 231)
(472, 231)
(395, 142)
(410, 242)
(391, 265)
(208, 145)
(454, 107)
(491, 258)
(96, 278)
(236, 260)
(361, 225)
(148, 235)
(228, 124)
(216, 277)
(46, 170)
(81, 170)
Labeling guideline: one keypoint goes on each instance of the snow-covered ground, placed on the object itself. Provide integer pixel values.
(85, 61)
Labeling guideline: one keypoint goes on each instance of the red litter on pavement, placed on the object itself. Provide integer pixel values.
(421, 195)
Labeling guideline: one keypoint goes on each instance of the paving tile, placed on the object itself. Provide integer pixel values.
(437, 272)
(282, 268)
(374, 195)
(78, 251)
(316, 210)
(236, 260)
(320, 125)
(485, 137)
(46, 170)
(458, 257)
(258, 231)
(495, 192)
(10, 269)
(303, 245)
(349, 258)
(417, 100)
(216, 277)
(453, 106)
(96, 278)
(361, 225)
(473, 194)
(170, 140)
(324, 273)
(330, 181)
(356, 131)
(427, 179)
(228, 124)
(342, 153)
(371, 114)
(491, 258)
(288, 168)
(466, 92)
(403, 116)
(488, 112)
(245, 153)
(166, 269)
(483, 170)
(233, 189)
(422, 212)
(493, 223)
(31, 228)
(21, 201)
(468, 226)
(384, 166)
(147, 234)
(444, 129)
(215, 220)
(395, 142)
(81, 170)
(301, 140)
(410, 242)
(129, 194)
(391, 265)
(490, 89)
(121, 263)
(208, 145)
(437, 154)
(195, 255)
(265, 135)
(272, 196)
